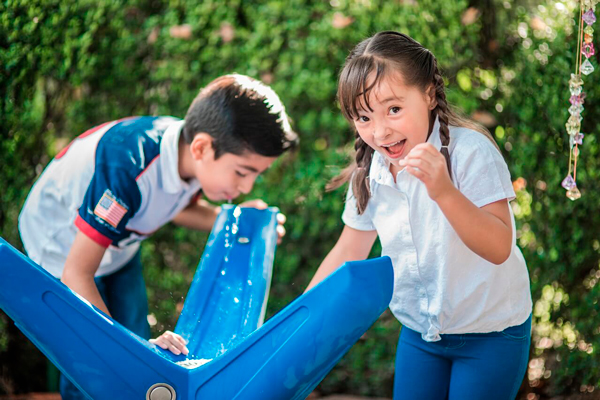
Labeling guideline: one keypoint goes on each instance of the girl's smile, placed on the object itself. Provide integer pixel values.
(395, 149)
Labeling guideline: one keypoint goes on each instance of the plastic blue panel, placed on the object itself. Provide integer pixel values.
(228, 296)
(285, 358)
(293, 351)
(103, 358)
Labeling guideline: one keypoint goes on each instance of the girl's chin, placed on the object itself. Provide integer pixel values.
(394, 161)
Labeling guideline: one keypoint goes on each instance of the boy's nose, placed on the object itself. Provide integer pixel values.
(245, 186)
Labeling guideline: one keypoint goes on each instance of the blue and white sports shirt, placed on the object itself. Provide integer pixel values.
(117, 183)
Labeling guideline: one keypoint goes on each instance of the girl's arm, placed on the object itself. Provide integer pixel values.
(487, 231)
(351, 246)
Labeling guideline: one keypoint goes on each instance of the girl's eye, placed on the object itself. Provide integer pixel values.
(238, 173)
(362, 118)
(394, 110)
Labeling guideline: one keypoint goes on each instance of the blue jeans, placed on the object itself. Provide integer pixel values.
(472, 366)
(124, 293)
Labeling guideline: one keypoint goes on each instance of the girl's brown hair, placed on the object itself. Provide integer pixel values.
(384, 54)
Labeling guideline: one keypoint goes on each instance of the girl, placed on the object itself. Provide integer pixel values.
(435, 189)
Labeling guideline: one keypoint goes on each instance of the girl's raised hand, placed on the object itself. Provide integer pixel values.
(171, 341)
(428, 165)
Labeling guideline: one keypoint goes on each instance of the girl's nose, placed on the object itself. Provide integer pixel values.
(381, 132)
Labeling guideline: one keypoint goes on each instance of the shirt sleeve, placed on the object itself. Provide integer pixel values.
(352, 218)
(111, 199)
(481, 172)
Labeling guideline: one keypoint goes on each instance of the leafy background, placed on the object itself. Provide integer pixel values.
(66, 66)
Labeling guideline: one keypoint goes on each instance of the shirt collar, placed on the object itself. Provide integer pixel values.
(169, 161)
(380, 167)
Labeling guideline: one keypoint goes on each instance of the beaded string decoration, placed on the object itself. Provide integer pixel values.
(585, 47)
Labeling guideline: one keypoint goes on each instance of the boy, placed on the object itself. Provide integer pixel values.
(119, 182)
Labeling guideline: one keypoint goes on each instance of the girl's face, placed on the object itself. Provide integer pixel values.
(399, 120)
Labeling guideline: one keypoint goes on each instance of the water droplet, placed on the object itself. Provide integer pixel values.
(236, 300)
(223, 272)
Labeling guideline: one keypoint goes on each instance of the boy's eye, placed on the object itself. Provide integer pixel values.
(362, 118)
(238, 173)
(394, 110)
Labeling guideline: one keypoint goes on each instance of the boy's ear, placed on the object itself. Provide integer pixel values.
(201, 146)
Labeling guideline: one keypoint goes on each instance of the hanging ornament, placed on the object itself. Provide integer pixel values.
(575, 109)
(588, 49)
(573, 193)
(587, 67)
(585, 47)
(589, 17)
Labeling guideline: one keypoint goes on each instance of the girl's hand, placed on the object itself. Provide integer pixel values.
(428, 165)
(171, 341)
(261, 205)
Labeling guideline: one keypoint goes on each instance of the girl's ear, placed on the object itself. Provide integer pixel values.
(201, 146)
(431, 97)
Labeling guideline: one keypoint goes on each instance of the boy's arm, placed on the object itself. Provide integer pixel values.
(81, 265)
(351, 246)
(200, 215)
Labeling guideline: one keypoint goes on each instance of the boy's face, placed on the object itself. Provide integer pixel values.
(228, 176)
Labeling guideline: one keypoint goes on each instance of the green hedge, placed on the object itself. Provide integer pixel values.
(69, 65)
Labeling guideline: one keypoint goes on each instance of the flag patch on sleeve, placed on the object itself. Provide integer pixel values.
(109, 209)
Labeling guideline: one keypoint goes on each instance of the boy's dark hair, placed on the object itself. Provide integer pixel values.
(240, 114)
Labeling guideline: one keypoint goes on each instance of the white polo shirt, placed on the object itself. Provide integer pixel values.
(440, 285)
(117, 183)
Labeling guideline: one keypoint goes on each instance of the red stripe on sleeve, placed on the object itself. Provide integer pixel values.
(92, 233)
(87, 133)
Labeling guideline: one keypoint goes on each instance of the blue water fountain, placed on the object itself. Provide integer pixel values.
(233, 355)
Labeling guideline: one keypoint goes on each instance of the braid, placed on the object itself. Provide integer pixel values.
(442, 113)
(360, 183)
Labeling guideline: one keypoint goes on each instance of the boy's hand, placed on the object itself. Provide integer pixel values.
(171, 341)
(280, 228)
(428, 165)
(261, 205)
